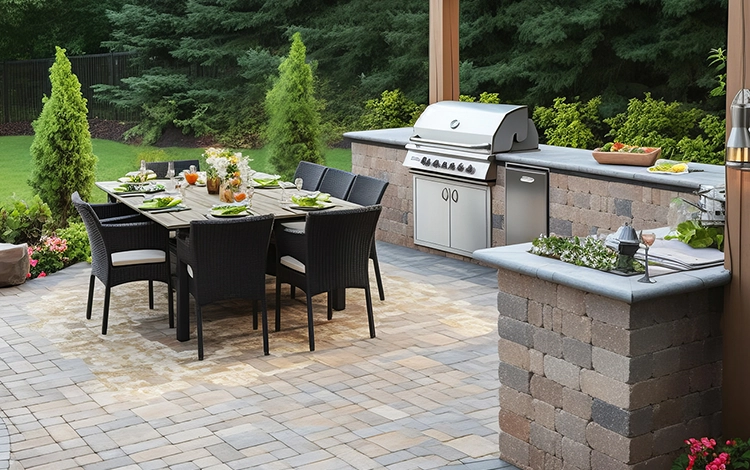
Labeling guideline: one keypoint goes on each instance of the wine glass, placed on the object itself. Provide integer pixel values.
(648, 239)
(170, 175)
(298, 183)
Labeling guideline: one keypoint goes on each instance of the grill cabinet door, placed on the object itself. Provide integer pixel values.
(431, 212)
(470, 207)
(526, 204)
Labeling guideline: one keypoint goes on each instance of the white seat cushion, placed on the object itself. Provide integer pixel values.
(126, 258)
(295, 225)
(293, 263)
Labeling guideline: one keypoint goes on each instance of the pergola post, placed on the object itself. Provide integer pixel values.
(443, 50)
(736, 318)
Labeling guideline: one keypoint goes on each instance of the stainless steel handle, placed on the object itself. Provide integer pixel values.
(454, 196)
(416, 138)
(527, 179)
(445, 194)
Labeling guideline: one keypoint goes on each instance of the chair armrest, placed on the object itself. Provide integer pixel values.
(134, 236)
(291, 242)
(110, 210)
(124, 219)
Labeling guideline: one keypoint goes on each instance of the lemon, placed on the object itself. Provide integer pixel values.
(679, 168)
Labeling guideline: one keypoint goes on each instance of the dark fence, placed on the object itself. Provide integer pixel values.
(24, 83)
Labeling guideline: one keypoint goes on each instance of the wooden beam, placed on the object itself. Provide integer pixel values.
(444, 50)
(735, 322)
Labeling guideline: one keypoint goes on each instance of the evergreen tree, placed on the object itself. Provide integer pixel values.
(293, 116)
(62, 155)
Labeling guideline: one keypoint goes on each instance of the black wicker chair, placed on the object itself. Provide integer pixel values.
(336, 183)
(160, 168)
(311, 174)
(368, 191)
(122, 251)
(211, 249)
(331, 254)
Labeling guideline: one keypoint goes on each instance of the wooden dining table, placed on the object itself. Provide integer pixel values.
(197, 200)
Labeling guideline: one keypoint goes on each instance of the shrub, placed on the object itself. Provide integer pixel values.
(62, 155)
(484, 97)
(570, 124)
(293, 114)
(655, 123)
(22, 222)
(392, 110)
(78, 242)
(47, 257)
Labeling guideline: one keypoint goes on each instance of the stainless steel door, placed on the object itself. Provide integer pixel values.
(526, 204)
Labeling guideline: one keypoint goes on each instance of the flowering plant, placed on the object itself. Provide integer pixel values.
(230, 167)
(704, 453)
(47, 257)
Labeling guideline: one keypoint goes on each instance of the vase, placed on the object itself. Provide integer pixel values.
(213, 185)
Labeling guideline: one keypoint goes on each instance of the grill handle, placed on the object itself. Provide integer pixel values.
(420, 140)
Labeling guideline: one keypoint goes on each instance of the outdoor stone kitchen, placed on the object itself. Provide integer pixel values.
(596, 370)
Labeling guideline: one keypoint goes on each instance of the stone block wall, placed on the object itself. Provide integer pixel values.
(588, 382)
(579, 205)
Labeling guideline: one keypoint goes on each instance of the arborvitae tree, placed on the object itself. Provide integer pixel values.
(62, 155)
(293, 114)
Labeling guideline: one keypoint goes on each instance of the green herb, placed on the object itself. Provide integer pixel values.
(694, 234)
(588, 251)
(313, 200)
(160, 202)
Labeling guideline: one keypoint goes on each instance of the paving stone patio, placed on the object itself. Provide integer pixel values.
(423, 394)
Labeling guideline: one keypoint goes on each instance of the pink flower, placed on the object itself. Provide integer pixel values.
(42, 274)
(28, 275)
(33, 262)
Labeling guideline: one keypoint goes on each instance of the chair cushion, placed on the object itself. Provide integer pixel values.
(126, 258)
(292, 263)
(298, 226)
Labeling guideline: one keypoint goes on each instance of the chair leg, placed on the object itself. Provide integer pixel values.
(310, 327)
(199, 324)
(264, 322)
(171, 301)
(370, 316)
(91, 297)
(374, 258)
(105, 317)
(151, 294)
(278, 303)
(330, 308)
(292, 291)
(255, 314)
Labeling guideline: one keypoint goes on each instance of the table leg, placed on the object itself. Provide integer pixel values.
(183, 303)
(338, 300)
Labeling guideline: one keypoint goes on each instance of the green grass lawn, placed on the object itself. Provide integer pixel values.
(116, 159)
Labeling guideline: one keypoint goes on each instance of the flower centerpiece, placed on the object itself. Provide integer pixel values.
(231, 169)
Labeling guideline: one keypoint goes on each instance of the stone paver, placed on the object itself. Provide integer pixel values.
(422, 394)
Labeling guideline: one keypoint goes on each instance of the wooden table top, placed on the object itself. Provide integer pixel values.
(264, 201)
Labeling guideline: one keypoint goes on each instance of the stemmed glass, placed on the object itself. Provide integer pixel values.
(648, 239)
(170, 175)
(298, 183)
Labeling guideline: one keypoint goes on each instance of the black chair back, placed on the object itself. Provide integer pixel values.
(229, 257)
(336, 182)
(366, 190)
(99, 256)
(338, 248)
(311, 174)
(160, 168)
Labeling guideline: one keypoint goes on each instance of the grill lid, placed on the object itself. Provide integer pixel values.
(475, 127)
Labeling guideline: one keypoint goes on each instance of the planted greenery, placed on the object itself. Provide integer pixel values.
(587, 251)
(24, 222)
(693, 233)
(62, 153)
(393, 109)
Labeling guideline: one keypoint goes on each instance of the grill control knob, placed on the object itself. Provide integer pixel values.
(436, 163)
(452, 166)
(444, 165)
(470, 170)
(424, 161)
(460, 167)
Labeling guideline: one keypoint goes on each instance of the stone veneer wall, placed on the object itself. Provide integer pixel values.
(588, 382)
(578, 205)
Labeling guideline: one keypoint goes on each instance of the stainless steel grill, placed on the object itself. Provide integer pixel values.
(461, 139)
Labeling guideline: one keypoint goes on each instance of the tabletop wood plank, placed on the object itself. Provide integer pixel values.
(264, 201)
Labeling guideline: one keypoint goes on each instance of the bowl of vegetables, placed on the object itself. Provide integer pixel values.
(617, 153)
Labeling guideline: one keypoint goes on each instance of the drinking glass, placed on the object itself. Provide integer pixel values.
(648, 239)
(170, 175)
(298, 183)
